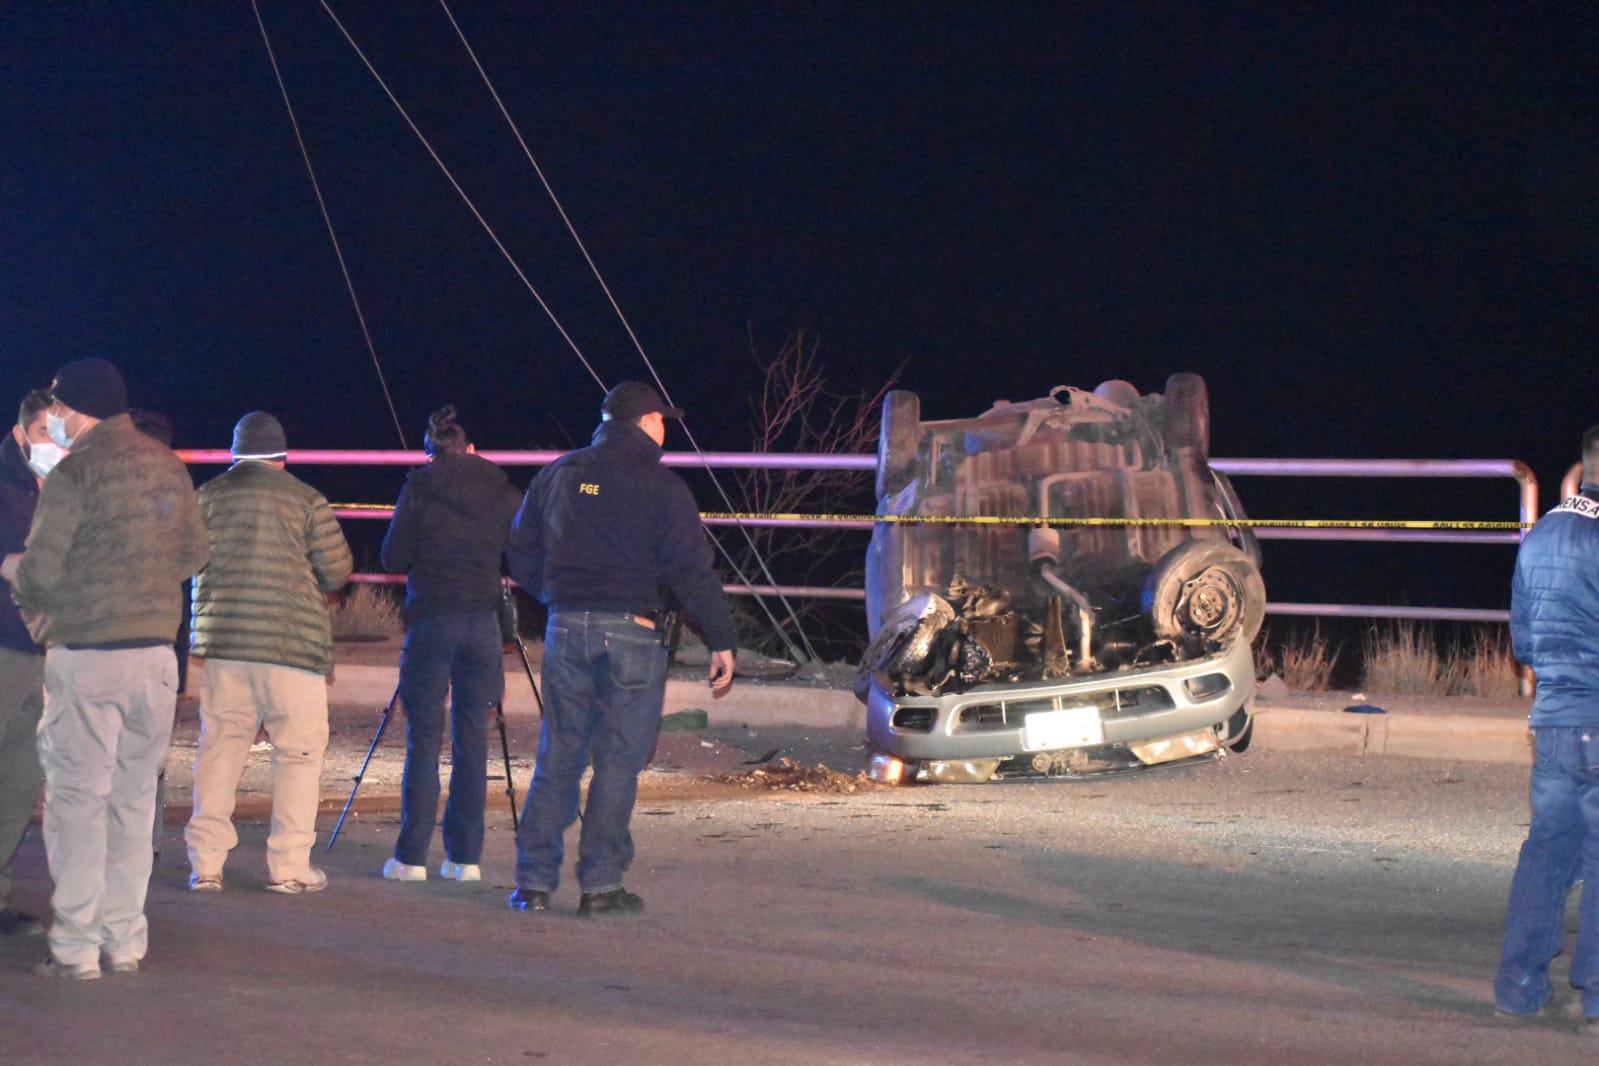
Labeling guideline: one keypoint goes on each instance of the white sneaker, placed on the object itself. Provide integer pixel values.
(313, 880)
(395, 870)
(454, 871)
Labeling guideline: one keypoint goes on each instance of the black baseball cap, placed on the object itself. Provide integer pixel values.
(632, 399)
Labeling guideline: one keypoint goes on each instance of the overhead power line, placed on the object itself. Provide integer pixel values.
(327, 219)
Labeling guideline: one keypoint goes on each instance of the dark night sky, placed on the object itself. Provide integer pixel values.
(1373, 228)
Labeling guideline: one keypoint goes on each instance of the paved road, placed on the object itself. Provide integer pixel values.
(1269, 908)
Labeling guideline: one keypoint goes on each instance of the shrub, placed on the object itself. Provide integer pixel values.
(1308, 661)
(1401, 659)
(367, 612)
(1484, 667)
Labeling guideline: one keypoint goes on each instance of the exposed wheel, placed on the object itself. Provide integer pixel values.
(1187, 412)
(1205, 588)
(1237, 732)
(897, 441)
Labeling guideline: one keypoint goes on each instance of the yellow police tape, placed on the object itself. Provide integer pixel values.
(1058, 520)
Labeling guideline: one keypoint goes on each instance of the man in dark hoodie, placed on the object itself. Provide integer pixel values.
(27, 454)
(447, 536)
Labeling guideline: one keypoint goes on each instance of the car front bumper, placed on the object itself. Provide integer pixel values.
(991, 721)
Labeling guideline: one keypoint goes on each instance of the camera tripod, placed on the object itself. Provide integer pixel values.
(509, 634)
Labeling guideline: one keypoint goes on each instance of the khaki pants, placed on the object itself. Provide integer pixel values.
(104, 735)
(237, 699)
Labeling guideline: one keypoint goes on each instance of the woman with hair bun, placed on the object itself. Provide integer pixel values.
(448, 537)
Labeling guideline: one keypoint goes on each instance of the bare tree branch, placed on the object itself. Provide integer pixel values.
(796, 411)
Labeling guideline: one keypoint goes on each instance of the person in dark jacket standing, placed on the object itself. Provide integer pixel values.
(448, 537)
(115, 533)
(261, 626)
(27, 454)
(600, 532)
(1554, 629)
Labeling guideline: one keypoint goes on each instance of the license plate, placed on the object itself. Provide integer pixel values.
(1069, 727)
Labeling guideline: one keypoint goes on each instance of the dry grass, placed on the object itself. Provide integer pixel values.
(1482, 666)
(1307, 661)
(1401, 659)
(367, 612)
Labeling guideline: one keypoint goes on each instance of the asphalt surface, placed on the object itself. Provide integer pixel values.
(1333, 895)
(1306, 907)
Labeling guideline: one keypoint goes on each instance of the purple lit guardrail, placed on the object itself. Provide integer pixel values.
(1571, 484)
(1527, 507)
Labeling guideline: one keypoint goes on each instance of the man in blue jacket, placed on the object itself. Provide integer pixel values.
(600, 531)
(1554, 628)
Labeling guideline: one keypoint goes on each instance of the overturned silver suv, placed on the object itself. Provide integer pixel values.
(1064, 589)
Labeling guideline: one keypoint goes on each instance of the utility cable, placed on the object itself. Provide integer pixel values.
(472, 207)
(327, 220)
(809, 651)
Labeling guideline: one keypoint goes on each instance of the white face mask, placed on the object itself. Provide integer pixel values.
(43, 457)
(56, 426)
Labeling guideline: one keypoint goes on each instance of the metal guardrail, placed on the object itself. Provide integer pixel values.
(1527, 507)
(1571, 484)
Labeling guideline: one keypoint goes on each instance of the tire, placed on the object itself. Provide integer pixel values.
(897, 441)
(1187, 413)
(1208, 589)
(1237, 735)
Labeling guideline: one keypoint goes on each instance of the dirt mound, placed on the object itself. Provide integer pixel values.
(785, 775)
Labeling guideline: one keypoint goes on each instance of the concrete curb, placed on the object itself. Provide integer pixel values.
(1281, 726)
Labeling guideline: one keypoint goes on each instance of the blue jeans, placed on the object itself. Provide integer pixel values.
(1562, 846)
(463, 652)
(604, 682)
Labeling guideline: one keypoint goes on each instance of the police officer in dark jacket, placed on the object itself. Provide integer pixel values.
(600, 532)
(448, 537)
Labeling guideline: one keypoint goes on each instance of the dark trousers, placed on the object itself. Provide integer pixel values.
(461, 654)
(604, 681)
(1562, 847)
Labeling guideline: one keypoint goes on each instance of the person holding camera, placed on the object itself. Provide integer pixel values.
(447, 536)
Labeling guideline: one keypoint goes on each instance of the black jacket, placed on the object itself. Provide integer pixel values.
(448, 534)
(19, 492)
(603, 528)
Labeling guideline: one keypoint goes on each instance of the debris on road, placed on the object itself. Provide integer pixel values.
(785, 775)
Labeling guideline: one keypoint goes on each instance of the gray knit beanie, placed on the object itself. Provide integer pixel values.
(259, 436)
